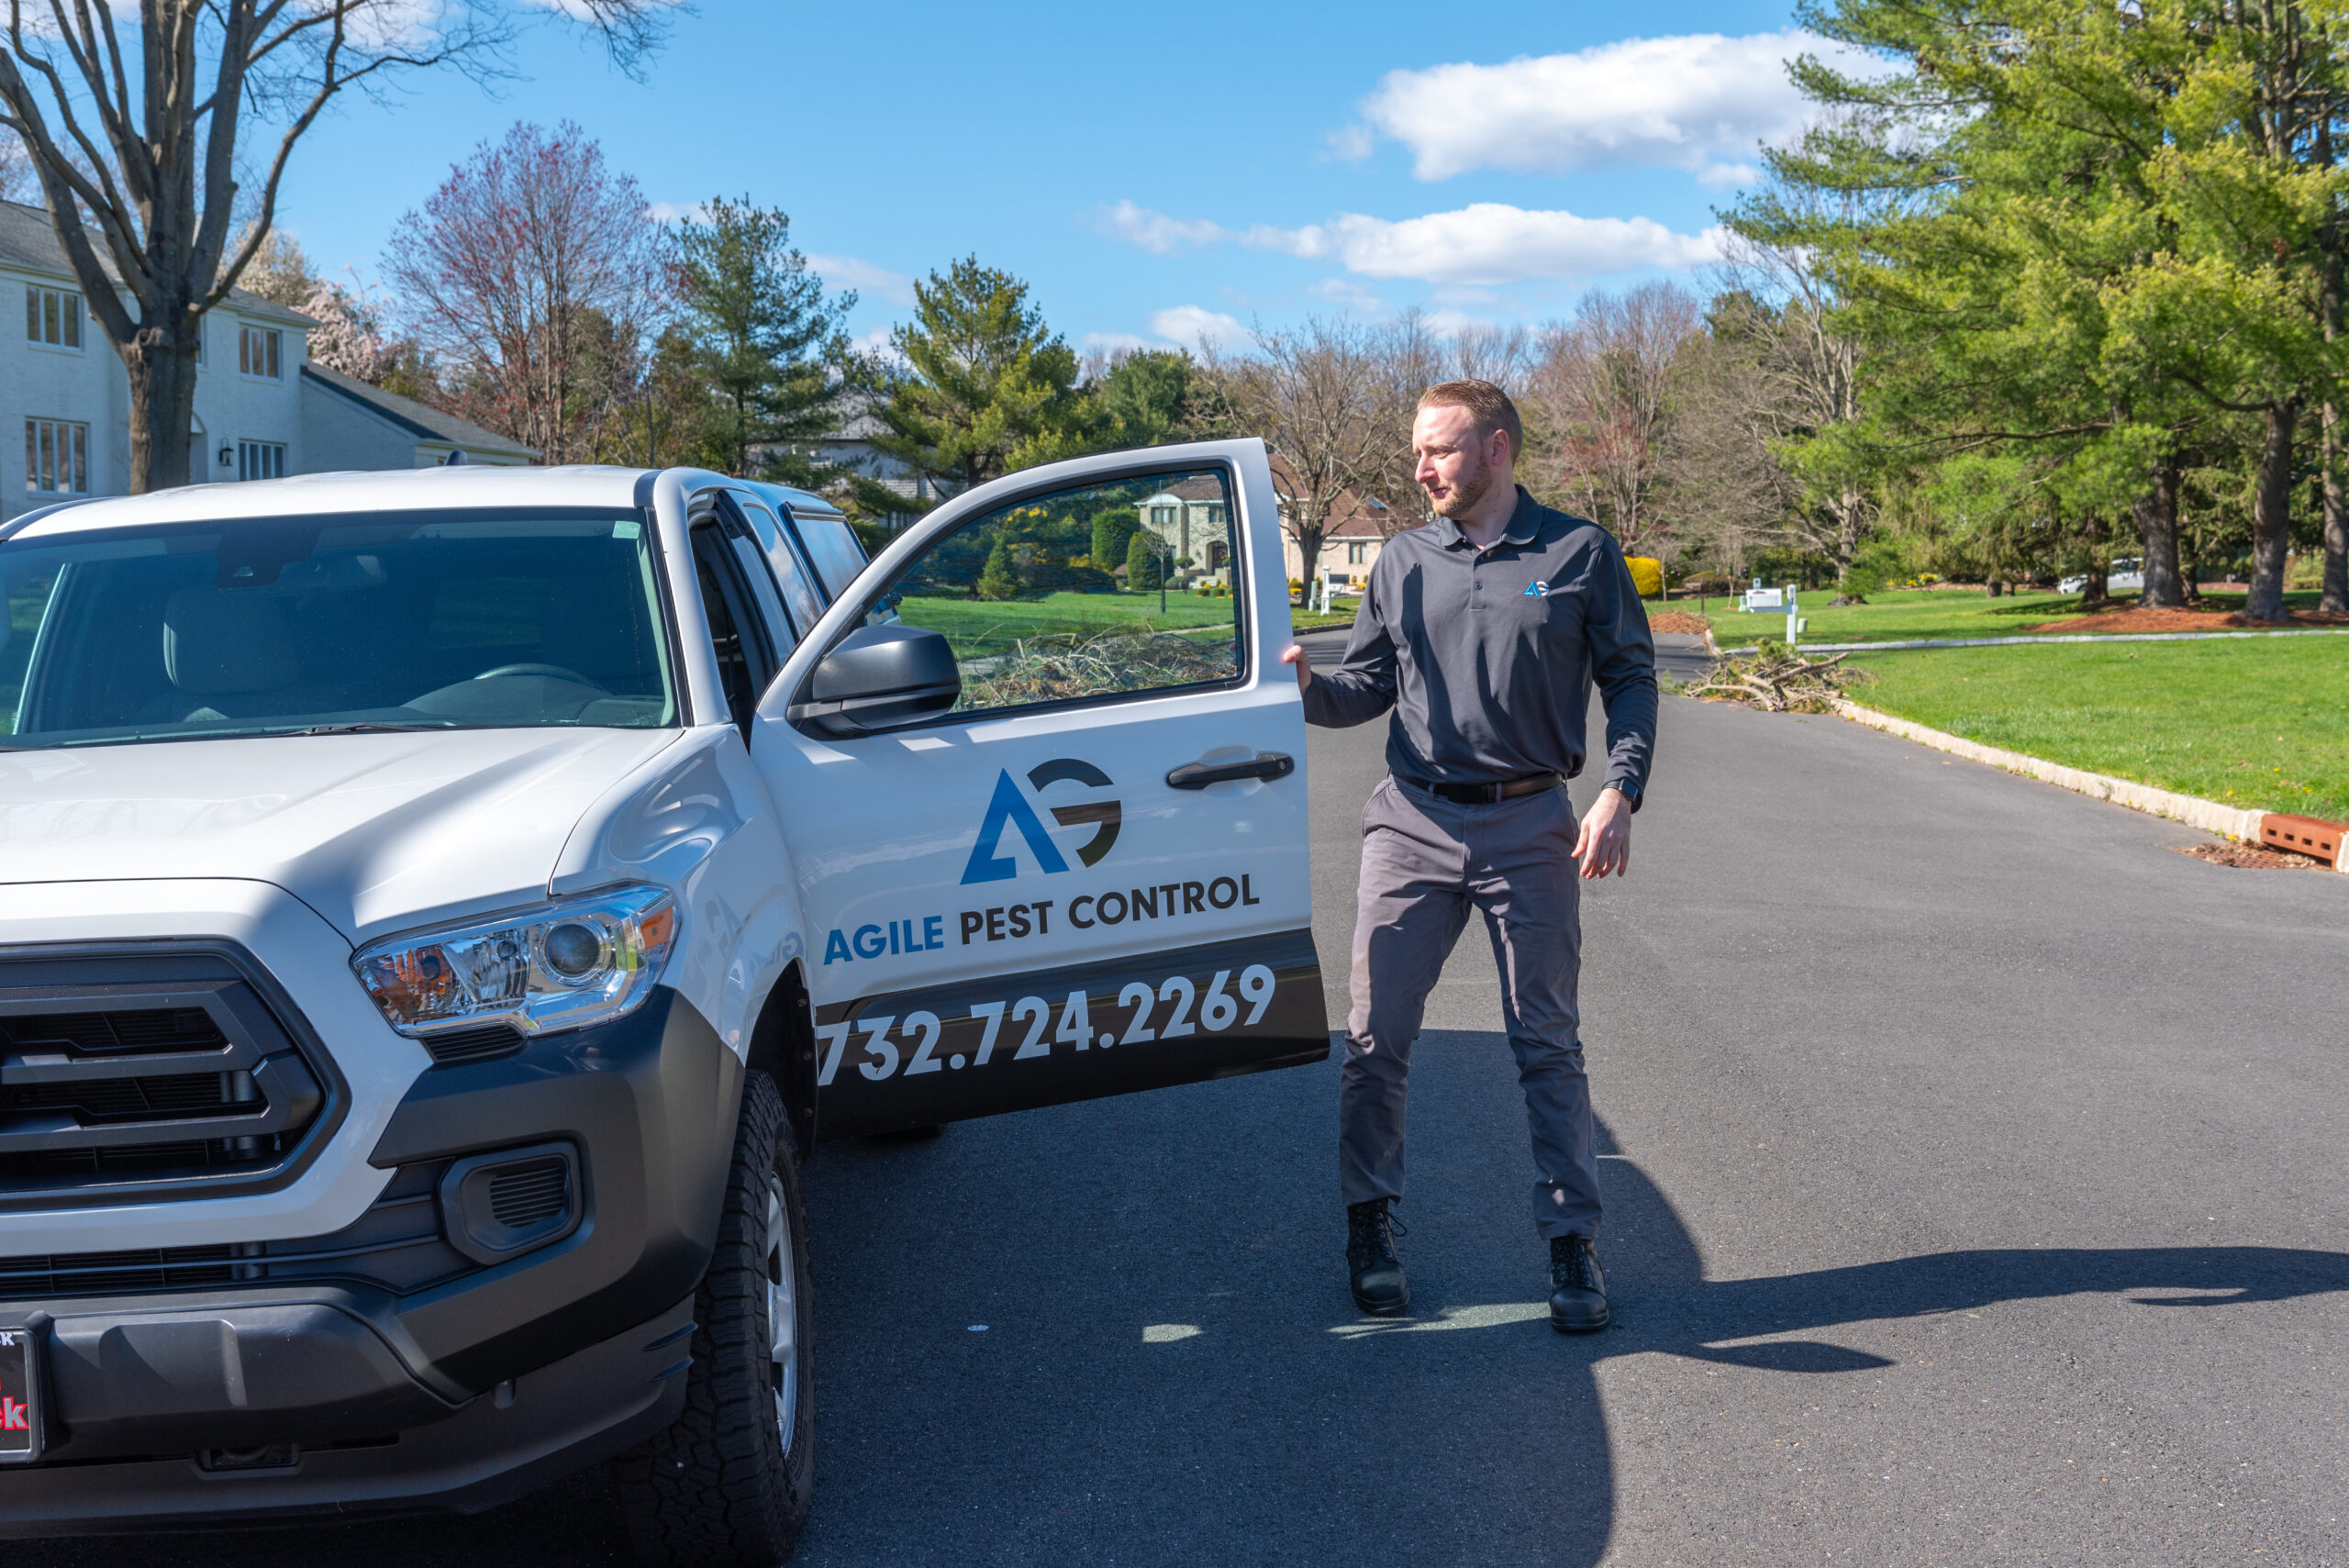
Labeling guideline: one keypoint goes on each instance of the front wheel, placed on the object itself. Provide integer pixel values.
(729, 1484)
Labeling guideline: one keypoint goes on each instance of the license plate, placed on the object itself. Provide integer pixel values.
(19, 1395)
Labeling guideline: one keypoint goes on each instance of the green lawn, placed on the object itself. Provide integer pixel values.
(2262, 725)
(1917, 613)
(982, 626)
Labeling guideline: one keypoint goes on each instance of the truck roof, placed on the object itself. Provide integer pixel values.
(466, 486)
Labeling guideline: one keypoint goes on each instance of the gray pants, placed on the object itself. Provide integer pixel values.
(1424, 862)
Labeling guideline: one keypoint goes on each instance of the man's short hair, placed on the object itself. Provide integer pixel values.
(1486, 403)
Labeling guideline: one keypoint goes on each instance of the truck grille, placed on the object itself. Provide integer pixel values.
(398, 1245)
(119, 1071)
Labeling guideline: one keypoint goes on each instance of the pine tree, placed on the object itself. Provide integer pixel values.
(979, 387)
(766, 339)
(1000, 578)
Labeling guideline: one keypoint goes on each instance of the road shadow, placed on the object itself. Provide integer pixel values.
(1170, 1372)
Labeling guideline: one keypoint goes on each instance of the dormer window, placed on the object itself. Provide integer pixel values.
(257, 351)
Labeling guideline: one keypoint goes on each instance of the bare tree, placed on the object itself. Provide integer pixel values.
(1318, 395)
(1413, 354)
(1603, 394)
(139, 142)
(534, 272)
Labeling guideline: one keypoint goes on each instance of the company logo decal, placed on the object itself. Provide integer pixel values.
(1009, 808)
(1536, 590)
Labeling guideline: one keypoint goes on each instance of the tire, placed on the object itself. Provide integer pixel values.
(729, 1484)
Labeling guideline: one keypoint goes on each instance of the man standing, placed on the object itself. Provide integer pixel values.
(1484, 631)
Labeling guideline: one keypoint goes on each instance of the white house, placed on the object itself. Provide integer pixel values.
(261, 409)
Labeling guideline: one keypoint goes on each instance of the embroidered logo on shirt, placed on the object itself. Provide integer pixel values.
(1536, 590)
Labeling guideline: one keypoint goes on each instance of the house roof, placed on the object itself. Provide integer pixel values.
(423, 422)
(26, 241)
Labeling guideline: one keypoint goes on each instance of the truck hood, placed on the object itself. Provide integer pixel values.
(375, 832)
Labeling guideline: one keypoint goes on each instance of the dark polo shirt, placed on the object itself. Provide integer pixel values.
(1487, 657)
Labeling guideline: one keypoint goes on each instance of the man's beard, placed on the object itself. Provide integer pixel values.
(1465, 494)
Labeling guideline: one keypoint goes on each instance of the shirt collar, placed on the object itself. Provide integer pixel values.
(1523, 524)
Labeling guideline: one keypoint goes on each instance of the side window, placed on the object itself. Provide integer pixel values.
(800, 595)
(1127, 586)
(745, 661)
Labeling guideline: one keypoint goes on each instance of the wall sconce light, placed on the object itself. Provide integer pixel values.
(228, 455)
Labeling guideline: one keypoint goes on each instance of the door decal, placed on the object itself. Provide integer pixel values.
(1009, 808)
(1113, 1026)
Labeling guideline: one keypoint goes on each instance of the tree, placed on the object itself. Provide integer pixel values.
(1320, 397)
(529, 251)
(978, 386)
(143, 184)
(1146, 397)
(999, 578)
(764, 337)
(1148, 558)
(1603, 391)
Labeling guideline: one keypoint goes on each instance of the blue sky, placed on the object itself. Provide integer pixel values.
(1151, 175)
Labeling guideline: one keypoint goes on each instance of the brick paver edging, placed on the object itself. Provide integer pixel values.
(2228, 821)
(2018, 642)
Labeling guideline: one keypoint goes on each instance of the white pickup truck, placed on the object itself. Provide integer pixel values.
(440, 911)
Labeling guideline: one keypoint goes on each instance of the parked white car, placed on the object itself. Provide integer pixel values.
(440, 912)
(2126, 576)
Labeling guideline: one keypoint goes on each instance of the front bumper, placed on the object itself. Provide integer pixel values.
(400, 1372)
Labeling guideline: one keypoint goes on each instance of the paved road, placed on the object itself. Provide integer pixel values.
(1975, 1166)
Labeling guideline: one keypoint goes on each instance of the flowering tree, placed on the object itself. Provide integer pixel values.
(532, 267)
(136, 128)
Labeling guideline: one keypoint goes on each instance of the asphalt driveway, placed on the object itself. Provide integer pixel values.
(1975, 1172)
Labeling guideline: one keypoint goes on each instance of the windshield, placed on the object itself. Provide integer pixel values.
(295, 625)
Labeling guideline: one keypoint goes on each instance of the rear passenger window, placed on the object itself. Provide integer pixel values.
(800, 594)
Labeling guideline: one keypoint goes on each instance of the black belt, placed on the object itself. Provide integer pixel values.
(1484, 794)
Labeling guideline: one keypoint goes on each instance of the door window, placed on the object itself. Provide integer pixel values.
(1101, 590)
(746, 660)
(782, 564)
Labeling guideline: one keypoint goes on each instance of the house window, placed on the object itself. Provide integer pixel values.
(54, 317)
(1356, 555)
(1215, 514)
(1162, 516)
(257, 351)
(260, 459)
(57, 457)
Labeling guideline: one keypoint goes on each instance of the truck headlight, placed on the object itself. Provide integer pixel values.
(585, 960)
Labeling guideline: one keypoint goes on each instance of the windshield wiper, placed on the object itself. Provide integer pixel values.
(365, 727)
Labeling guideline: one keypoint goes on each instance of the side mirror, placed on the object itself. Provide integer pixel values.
(878, 677)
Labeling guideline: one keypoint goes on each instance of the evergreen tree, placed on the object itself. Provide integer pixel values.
(980, 387)
(1112, 529)
(766, 339)
(1000, 578)
(1146, 397)
(1144, 560)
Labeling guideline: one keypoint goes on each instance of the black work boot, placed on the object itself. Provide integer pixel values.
(1577, 1290)
(1379, 1286)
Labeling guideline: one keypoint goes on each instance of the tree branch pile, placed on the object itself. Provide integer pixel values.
(1776, 679)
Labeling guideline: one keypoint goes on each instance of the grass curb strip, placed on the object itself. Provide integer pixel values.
(2228, 821)
(2018, 642)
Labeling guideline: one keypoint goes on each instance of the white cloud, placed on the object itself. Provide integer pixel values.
(1111, 342)
(1679, 102)
(1349, 144)
(1348, 296)
(1487, 243)
(1194, 325)
(673, 212)
(1157, 233)
(874, 281)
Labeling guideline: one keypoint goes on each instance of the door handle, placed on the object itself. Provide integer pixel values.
(1262, 766)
